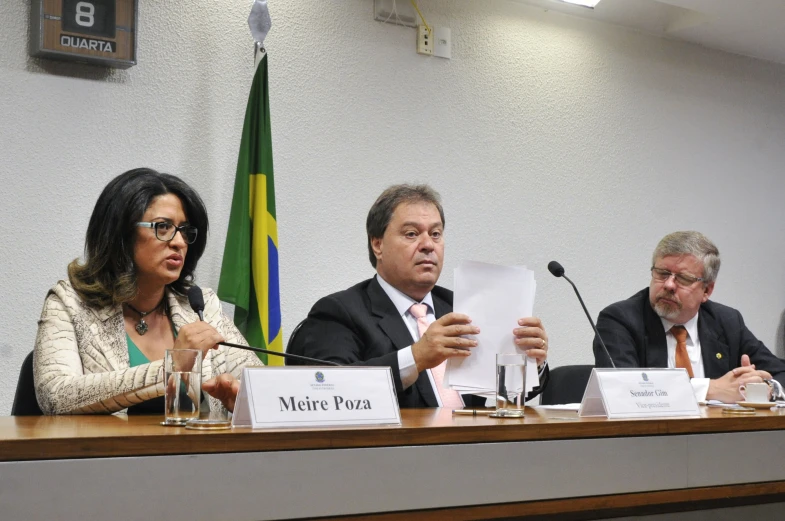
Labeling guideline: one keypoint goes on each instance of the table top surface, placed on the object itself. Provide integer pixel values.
(57, 437)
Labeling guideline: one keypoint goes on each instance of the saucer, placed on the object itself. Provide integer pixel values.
(758, 405)
(209, 425)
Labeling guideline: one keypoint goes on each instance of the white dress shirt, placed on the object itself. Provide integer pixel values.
(406, 365)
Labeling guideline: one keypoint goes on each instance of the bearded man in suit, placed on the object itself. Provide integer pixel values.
(672, 323)
(400, 318)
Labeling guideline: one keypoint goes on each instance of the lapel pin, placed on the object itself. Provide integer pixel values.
(719, 356)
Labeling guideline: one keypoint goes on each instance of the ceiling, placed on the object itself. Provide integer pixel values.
(748, 27)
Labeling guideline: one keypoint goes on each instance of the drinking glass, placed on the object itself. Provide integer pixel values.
(510, 385)
(183, 383)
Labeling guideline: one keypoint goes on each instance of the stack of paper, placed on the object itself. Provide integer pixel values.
(494, 297)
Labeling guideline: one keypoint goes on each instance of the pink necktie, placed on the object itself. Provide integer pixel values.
(449, 397)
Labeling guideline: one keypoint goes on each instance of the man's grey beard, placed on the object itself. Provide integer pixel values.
(665, 311)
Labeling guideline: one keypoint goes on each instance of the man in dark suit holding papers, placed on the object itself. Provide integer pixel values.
(400, 318)
(672, 323)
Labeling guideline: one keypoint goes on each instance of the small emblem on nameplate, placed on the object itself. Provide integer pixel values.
(319, 377)
(645, 377)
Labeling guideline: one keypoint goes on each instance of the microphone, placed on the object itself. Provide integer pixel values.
(196, 300)
(557, 270)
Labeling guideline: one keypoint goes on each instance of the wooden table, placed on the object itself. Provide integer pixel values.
(436, 466)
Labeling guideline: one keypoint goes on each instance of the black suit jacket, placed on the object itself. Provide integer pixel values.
(361, 326)
(634, 335)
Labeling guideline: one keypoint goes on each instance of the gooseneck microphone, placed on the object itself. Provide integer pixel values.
(196, 300)
(557, 270)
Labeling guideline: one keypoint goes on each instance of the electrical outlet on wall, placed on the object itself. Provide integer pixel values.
(424, 41)
(442, 42)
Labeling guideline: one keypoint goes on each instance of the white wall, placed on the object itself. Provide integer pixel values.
(548, 137)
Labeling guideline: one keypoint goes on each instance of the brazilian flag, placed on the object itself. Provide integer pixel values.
(249, 272)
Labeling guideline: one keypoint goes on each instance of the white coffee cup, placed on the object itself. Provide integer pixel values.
(755, 393)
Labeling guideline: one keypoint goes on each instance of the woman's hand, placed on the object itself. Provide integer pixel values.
(198, 335)
(224, 387)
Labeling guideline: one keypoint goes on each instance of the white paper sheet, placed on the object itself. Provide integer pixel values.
(495, 297)
(560, 407)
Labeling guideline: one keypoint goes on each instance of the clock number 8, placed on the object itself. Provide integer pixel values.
(85, 14)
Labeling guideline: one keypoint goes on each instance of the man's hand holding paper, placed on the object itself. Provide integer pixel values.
(532, 337)
(443, 339)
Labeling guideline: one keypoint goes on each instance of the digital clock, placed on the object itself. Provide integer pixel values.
(93, 31)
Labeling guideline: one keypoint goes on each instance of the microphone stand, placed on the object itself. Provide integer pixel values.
(196, 301)
(590, 320)
(283, 355)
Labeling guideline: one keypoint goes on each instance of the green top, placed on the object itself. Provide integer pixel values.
(135, 357)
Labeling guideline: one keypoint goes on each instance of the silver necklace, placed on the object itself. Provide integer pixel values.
(142, 326)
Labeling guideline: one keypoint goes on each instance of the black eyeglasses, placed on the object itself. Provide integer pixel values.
(682, 279)
(165, 231)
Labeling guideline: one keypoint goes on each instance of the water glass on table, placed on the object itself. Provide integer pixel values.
(183, 385)
(510, 385)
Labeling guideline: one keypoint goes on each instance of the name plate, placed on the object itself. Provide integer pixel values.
(276, 397)
(639, 393)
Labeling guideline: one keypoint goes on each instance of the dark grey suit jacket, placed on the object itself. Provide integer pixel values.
(634, 335)
(361, 326)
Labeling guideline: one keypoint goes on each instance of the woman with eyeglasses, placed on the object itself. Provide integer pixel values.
(103, 333)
